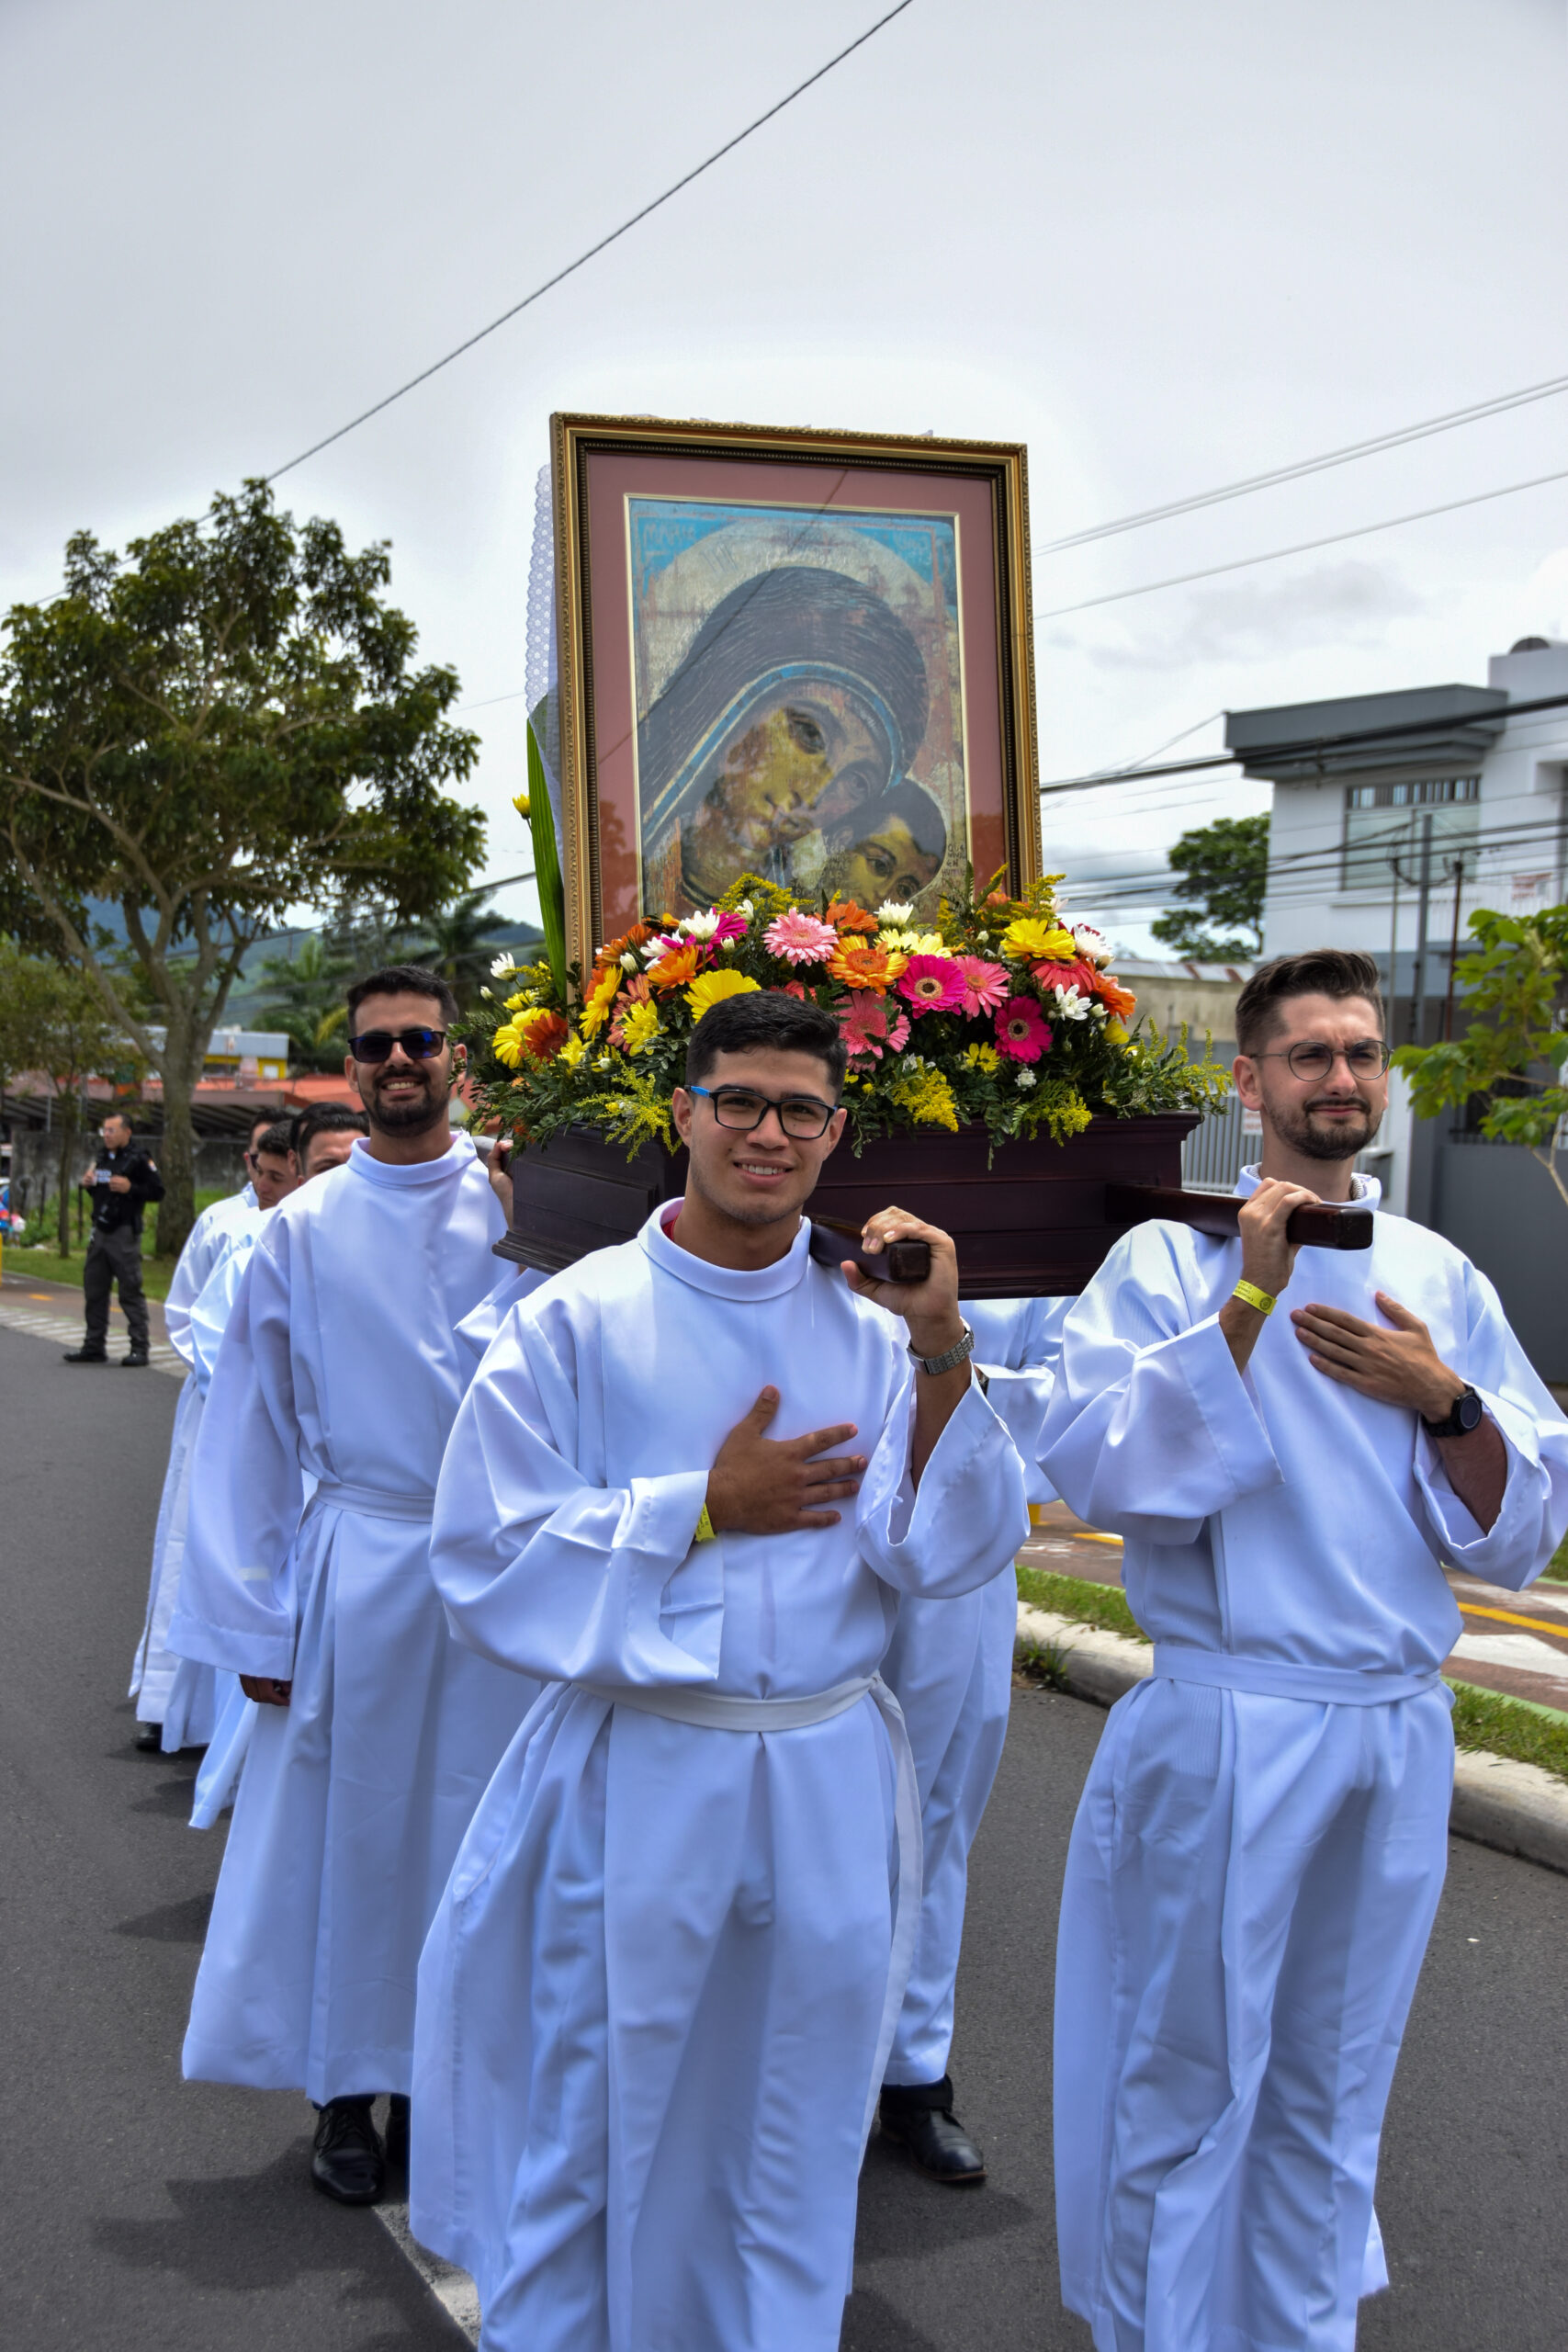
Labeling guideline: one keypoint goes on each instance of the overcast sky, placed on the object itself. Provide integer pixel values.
(1166, 243)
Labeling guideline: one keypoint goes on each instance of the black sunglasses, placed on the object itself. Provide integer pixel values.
(376, 1045)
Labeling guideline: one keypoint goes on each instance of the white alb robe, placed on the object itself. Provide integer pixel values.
(1260, 1845)
(341, 1363)
(233, 1715)
(652, 2000)
(950, 1667)
(153, 1668)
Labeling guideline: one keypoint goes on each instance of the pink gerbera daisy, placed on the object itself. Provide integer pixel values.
(865, 1028)
(931, 984)
(984, 984)
(1022, 1032)
(800, 938)
(731, 925)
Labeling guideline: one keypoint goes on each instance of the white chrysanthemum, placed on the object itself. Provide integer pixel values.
(895, 912)
(701, 926)
(502, 967)
(1069, 1005)
(628, 961)
(1090, 941)
(1025, 1079)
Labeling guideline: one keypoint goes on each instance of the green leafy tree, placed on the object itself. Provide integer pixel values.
(459, 943)
(303, 996)
(53, 1025)
(1512, 1060)
(1224, 878)
(221, 724)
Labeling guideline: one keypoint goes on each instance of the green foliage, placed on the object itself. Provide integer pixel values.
(224, 723)
(1514, 1054)
(53, 1023)
(1224, 877)
(459, 943)
(1080, 1601)
(546, 861)
(304, 997)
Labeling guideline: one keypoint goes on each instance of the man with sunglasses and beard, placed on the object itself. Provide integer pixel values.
(375, 1734)
(1261, 1847)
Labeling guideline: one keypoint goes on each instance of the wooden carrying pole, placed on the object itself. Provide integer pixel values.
(1320, 1225)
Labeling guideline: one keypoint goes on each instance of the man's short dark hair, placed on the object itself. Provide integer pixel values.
(258, 1119)
(766, 1021)
(323, 1119)
(278, 1139)
(1337, 972)
(403, 979)
(122, 1117)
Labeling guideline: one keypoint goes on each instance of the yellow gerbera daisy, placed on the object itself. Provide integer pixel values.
(1029, 940)
(711, 987)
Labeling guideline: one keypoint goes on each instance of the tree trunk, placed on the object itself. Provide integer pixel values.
(176, 1159)
(68, 1169)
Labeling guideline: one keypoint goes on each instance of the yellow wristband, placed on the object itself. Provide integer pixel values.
(706, 1531)
(1254, 1297)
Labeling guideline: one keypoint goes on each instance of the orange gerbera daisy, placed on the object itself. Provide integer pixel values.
(844, 915)
(675, 970)
(544, 1033)
(861, 967)
(1118, 1001)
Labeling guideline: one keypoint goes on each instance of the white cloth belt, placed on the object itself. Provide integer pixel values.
(371, 1502)
(1334, 1686)
(719, 1711)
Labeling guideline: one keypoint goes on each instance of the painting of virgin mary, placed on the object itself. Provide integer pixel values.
(800, 703)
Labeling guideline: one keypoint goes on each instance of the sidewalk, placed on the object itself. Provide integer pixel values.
(53, 1311)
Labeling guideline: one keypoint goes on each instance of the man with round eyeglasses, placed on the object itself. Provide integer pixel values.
(374, 1734)
(1260, 1845)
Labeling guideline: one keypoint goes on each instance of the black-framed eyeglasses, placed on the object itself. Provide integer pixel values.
(376, 1045)
(1369, 1057)
(740, 1107)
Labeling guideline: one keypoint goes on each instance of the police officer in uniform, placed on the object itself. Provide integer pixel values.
(121, 1181)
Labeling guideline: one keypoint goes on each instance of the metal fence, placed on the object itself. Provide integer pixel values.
(1214, 1154)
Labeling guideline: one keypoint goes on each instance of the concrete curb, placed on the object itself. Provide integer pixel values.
(1517, 1808)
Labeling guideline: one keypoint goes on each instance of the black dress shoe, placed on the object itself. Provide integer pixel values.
(398, 2133)
(86, 1355)
(150, 1739)
(348, 2161)
(919, 2116)
(138, 1356)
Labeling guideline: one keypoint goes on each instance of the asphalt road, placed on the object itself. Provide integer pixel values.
(143, 2215)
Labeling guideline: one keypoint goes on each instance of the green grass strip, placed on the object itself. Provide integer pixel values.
(1556, 1568)
(1084, 1603)
(1512, 1728)
(1483, 1719)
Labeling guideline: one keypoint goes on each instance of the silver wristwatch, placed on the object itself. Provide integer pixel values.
(950, 1361)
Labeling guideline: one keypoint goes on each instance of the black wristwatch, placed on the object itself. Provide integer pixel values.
(1468, 1413)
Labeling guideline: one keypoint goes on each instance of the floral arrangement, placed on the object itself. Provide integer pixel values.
(1005, 1014)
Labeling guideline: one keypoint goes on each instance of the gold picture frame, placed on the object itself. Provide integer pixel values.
(787, 651)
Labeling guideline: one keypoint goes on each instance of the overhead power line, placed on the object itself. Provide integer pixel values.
(1398, 439)
(630, 222)
(1304, 547)
(1296, 746)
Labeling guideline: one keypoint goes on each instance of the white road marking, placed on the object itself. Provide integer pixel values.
(160, 1356)
(453, 2289)
(1526, 1653)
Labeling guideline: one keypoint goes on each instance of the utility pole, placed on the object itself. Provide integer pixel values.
(1423, 900)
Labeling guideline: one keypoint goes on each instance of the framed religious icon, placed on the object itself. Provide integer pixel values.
(800, 654)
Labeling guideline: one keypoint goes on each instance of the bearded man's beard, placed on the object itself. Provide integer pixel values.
(421, 1110)
(1342, 1141)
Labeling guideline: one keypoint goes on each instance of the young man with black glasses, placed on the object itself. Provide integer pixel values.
(691, 1479)
(1260, 1848)
(376, 1733)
